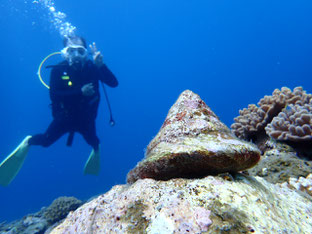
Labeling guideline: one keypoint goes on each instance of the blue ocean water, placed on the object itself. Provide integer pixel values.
(231, 53)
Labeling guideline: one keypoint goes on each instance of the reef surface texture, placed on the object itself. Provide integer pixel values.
(280, 163)
(213, 204)
(193, 142)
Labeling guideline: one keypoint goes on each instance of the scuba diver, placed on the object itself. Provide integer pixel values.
(75, 96)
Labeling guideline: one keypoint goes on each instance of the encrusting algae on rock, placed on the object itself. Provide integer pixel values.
(207, 205)
(193, 142)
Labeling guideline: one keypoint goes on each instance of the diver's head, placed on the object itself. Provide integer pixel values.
(75, 50)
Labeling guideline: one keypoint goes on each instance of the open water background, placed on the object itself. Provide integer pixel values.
(231, 53)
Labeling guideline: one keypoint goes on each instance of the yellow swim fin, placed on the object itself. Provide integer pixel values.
(92, 166)
(11, 165)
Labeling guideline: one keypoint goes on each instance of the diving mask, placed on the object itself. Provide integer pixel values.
(75, 53)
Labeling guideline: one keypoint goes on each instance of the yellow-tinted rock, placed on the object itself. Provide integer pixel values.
(193, 142)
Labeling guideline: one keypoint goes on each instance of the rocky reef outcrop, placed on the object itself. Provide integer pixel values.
(238, 204)
(163, 194)
(191, 180)
(280, 163)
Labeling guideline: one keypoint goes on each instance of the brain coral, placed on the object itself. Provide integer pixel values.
(271, 109)
(60, 207)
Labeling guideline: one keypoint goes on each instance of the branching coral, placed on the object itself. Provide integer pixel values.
(293, 124)
(252, 121)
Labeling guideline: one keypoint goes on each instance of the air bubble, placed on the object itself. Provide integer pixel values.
(57, 18)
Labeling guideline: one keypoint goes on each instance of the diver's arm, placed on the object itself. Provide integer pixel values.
(106, 76)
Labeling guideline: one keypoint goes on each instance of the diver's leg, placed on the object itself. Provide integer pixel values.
(11, 165)
(88, 132)
(55, 130)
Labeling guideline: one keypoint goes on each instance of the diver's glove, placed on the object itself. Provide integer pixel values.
(96, 55)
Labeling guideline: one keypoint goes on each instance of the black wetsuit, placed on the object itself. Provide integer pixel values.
(71, 110)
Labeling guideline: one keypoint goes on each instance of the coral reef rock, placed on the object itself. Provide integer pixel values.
(212, 205)
(302, 184)
(193, 142)
(41, 221)
(289, 113)
(281, 163)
